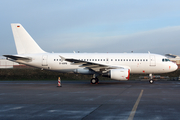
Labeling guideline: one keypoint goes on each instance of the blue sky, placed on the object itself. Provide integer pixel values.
(94, 26)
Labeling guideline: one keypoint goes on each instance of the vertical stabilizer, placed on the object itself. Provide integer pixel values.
(24, 42)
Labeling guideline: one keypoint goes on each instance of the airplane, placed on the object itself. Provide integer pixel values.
(116, 66)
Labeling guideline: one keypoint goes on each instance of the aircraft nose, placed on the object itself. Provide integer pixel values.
(174, 67)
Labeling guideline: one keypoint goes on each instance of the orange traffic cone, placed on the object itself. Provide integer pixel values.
(59, 82)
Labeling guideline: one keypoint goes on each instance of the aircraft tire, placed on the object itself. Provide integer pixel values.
(151, 81)
(94, 80)
(97, 80)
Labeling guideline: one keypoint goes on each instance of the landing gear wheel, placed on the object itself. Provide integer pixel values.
(97, 80)
(151, 78)
(151, 81)
(94, 81)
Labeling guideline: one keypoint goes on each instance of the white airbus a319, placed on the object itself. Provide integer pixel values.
(116, 66)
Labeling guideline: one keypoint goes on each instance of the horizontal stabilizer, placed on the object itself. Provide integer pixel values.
(16, 57)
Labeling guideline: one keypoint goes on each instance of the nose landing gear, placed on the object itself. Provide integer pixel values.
(151, 81)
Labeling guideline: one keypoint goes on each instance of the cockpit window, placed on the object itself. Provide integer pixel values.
(165, 60)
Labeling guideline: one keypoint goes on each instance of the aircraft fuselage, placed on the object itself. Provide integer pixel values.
(137, 62)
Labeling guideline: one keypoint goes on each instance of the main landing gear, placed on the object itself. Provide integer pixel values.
(94, 80)
(151, 81)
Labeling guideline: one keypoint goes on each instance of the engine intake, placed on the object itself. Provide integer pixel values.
(118, 74)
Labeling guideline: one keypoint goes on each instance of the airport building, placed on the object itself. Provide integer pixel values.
(7, 64)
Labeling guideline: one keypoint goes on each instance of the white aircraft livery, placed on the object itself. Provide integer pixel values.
(116, 66)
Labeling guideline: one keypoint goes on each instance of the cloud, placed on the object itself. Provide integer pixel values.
(164, 40)
(93, 26)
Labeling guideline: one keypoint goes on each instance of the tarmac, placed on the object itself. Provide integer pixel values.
(80, 100)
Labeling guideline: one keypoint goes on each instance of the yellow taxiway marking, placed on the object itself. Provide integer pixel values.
(131, 116)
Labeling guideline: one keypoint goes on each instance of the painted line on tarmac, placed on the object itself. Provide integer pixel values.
(131, 116)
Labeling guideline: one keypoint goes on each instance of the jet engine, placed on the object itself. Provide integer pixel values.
(118, 74)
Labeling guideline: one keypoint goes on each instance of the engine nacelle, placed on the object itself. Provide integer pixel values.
(118, 74)
(83, 71)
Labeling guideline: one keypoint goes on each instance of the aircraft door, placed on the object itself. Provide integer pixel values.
(44, 60)
(152, 60)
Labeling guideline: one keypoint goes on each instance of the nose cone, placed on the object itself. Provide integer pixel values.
(174, 67)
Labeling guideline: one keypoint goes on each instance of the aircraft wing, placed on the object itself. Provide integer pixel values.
(92, 65)
(171, 56)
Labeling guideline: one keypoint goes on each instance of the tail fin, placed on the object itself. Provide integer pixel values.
(24, 42)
